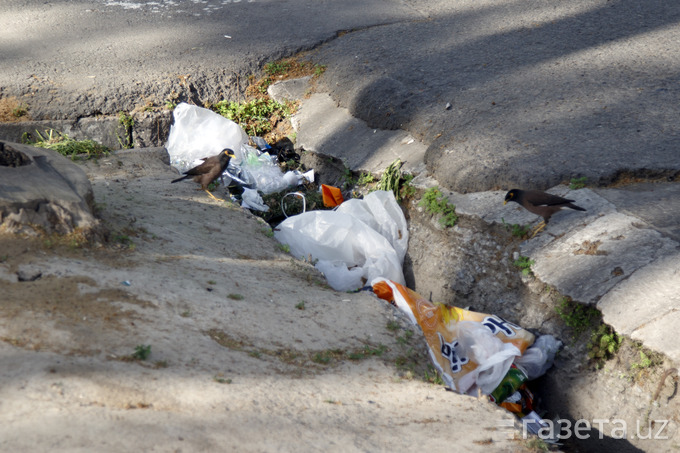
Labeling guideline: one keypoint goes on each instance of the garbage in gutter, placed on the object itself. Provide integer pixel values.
(477, 352)
(198, 132)
(359, 241)
(332, 196)
(250, 199)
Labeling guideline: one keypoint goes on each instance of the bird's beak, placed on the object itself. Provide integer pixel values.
(505, 202)
(229, 154)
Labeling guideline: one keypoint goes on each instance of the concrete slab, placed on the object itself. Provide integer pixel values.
(655, 203)
(325, 128)
(646, 305)
(587, 262)
(661, 335)
(289, 90)
(621, 254)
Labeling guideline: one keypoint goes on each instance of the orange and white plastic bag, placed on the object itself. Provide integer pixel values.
(470, 350)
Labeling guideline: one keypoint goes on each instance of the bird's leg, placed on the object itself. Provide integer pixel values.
(212, 196)
(538, 228)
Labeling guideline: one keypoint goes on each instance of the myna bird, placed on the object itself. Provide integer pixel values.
(540, 203)
(209, 170)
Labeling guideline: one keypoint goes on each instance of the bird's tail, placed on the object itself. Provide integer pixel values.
(180, 179)
(573, 206)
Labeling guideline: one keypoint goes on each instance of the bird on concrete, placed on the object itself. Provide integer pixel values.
(209, 170)
(540, 203)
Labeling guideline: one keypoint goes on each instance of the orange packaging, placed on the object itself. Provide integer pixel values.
(464, 345)
(332, 196)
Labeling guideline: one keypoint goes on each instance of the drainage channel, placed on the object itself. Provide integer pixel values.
(613, 399)
(618, 402)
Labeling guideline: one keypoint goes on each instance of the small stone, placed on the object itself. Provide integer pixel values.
(28, 275)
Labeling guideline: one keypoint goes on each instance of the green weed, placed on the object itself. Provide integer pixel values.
(300, 305)
(365, 179)
(577, 316)
(577, 183)
(537, 444)
(604, 343)
(61, 143)
(255, 116)
(20, 111)
(235, 296)
(284, 248)
(645, 362)
(392, 326)
(125, 240)
(142, 352)
(348, 178)
(399, 183)
(433, 376)
(126, 122)
(367, 352)
(406, 189)
(408, 335)
(319, 69)
(220, 379)
(516, 229)
(322, 357)
(435, 202)
(277, 67)
(524, 264)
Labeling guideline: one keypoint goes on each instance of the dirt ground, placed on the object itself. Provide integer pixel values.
(191, 330)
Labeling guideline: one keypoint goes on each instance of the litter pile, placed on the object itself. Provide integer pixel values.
(198, 133)
(363, 242)
(476, 352)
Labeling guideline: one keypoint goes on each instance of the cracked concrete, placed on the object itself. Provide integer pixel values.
(620, 255)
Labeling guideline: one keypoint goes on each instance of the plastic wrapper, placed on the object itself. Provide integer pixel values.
(380, 211)
(344, 246)
(332, 196)
(472, 351)
(251, 199)
(539, 357)
(197, 132)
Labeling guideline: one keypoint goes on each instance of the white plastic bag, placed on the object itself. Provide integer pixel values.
(198, 132)
(260, 171)
(335, 237)
(252, 200)
(339, 276)
(380, 211)
(493, 356)
(539, 357)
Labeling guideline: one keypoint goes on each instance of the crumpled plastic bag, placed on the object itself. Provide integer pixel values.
(252, 200)
(380, 211)
(259, 170)
(470, 350)
(493, 357)
(344, 247)
(539, 357)
(197, 133)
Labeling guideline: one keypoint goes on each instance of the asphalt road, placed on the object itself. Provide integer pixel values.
(503, 93)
